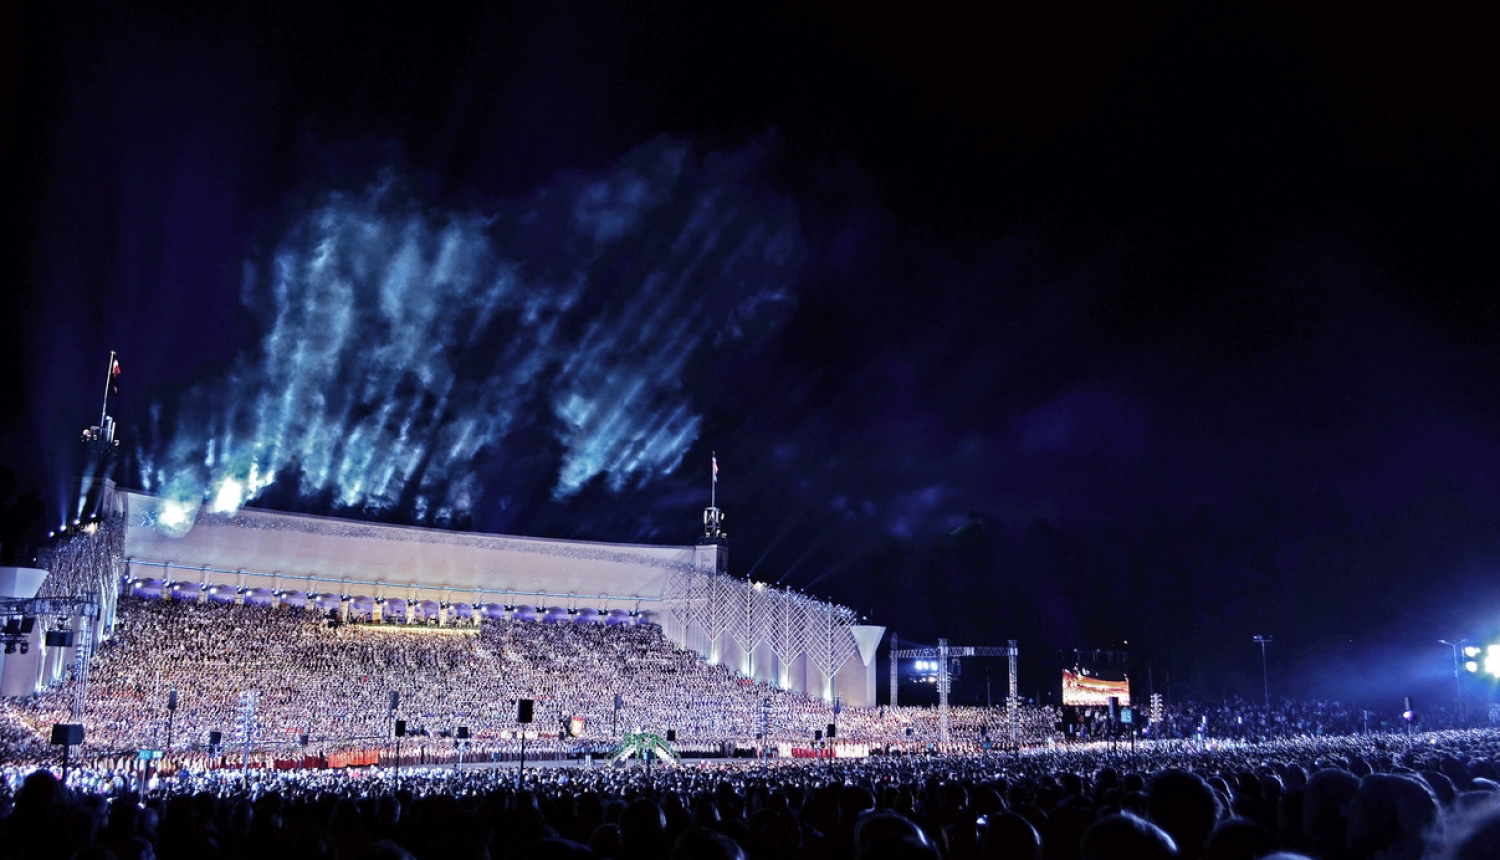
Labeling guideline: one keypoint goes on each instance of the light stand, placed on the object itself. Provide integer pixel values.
(1458, 690)
(1265, 676)
(171, 712)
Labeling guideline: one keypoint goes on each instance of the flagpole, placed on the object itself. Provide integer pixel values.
(713, 490)
(109, 378)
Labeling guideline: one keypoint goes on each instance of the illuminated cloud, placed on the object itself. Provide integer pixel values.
(405, 347)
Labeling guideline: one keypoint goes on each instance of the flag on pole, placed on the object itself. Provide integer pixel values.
(114, 374)
(716, 468)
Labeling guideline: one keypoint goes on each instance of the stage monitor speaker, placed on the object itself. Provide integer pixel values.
(463, 733)
(58, 639)
(215, 738)
(523, 711)
(401, 728)
(671, 736)
(67, 734)
(833, 730)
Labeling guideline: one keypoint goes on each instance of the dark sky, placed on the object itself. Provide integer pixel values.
(1156, 323)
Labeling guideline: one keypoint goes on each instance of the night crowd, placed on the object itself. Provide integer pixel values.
(1375, 797)
(1209, 782)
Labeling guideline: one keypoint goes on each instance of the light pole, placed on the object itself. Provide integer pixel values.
(1458, 690)
(1265, 676)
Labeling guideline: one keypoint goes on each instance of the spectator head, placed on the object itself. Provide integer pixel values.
(1325, 802)
(1183, 805)
(1239, 839)
(1126, 837)
(1010, 837)
(700, 843)
(878, 829)
(1392, 816)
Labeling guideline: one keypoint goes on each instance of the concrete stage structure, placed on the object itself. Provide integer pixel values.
(410, 574)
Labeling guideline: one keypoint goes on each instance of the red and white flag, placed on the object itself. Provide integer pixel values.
(716, 468)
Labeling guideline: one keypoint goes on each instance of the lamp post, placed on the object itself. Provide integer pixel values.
(1458, 690)
(1265, 676)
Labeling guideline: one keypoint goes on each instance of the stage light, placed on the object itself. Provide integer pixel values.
(1471, 665)
(1492, 661)
(229, 498)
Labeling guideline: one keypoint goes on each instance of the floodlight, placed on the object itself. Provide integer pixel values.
(1471, 650)
(1492, 660)
(1471, 665)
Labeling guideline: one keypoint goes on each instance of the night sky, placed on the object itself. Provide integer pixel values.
(1159, 324)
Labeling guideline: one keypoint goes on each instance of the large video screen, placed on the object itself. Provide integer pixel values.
(1084, 688)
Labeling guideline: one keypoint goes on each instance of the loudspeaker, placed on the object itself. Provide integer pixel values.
(395, 700)
(58, 639)
(671, 736)
(1114, 709)
(463, 733)
(401, 728)
(172, 701)
(817, 734)
(215, 738)
(302, 739)
(67, 734)
(832, 731)
(619, 701)
(523, 711)
(28, 624)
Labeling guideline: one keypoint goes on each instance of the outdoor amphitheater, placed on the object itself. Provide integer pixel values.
(264, 684)
(289, 640)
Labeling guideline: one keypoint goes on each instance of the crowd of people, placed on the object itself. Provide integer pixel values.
(1370, 797)
(1227, 781)
(305, 683)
